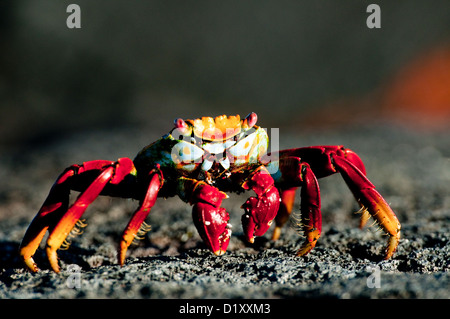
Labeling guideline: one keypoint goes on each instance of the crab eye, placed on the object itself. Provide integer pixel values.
(250, 120)
(182, 127)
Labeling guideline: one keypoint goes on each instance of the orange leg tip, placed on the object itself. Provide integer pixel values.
(123, 247)
(306, 248)
(310, 242)
(53, 258)
(392, 245)
(276, 233)
(29, 262)
(27, 256)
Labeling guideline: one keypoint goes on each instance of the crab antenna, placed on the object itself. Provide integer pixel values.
(182, 126)
(250, 120)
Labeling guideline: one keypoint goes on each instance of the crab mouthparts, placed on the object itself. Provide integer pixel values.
(212, 225)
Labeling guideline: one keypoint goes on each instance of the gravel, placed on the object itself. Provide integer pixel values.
(411, 170)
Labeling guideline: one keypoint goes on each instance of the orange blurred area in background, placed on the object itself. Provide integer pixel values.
(419, 95)
(416, 96)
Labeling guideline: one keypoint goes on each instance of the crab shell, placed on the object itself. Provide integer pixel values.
(211, 150)
(229, 141)
(216, 129)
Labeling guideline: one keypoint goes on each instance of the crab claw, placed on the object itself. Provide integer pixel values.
(259, 211)
(212, 224)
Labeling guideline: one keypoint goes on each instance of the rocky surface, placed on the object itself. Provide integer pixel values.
(411, 170)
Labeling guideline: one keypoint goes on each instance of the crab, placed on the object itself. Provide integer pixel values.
(200, 161)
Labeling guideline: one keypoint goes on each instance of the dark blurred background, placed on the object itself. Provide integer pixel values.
(298, 64)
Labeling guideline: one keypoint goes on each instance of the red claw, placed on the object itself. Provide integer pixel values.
(259, 213)
(212, 224)
(261, 210)
(210, 219)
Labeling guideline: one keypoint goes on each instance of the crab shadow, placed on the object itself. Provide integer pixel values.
(363, 251)
(9, 255)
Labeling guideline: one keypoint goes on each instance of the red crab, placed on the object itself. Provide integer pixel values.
(200, 160)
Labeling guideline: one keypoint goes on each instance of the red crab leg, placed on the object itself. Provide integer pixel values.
(294, 172)
(311, 218)
(54, 214)
(327, 160)
(261, 210)
(55, 205)
(369, 198)
(68, 221)
(135, 223)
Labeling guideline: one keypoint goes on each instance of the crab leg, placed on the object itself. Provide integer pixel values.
(55, 205)
(54, 215)
(292, 172)
(369, 198)
(311, 217)
(287, 197)
(73, 214)
(135, 223)
(324, 161)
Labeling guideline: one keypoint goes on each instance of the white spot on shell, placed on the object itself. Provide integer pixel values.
(207, 165)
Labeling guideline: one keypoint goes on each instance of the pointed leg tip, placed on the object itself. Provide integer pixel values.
(121, 260)
(53, 259)
(303, 252)
(392, 245)
(123, 247)
(31, 265)
(27, 257)
(306, 248)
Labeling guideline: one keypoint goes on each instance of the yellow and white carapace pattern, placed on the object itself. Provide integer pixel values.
(239, 149)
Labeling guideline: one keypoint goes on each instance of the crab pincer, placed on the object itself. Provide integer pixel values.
(209, 218)
(212, 225)
(261, 210)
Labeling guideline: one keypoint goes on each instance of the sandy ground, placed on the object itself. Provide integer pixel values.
(411, 170)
